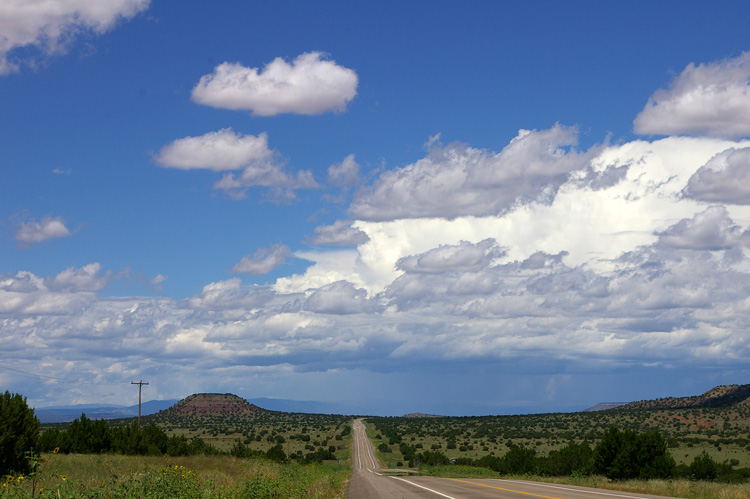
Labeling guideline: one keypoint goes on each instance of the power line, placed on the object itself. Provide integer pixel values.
(140, 385)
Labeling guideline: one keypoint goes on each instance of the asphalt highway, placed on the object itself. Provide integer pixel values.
(369, 481)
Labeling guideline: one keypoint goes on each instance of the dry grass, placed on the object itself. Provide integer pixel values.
(668, 488)
(213, 476)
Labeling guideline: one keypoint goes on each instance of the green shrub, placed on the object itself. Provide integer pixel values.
(19, 433)
(624, 454)
(703, 467)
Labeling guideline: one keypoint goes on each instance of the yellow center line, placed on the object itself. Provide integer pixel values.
(503, 489)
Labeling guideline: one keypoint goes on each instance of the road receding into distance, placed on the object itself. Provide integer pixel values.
(369, 481)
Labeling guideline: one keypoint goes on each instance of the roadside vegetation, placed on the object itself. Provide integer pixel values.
(105, 459)
(586, 449)
(721, 433)
(94, 476)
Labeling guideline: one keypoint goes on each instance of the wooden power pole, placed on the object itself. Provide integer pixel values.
(140, 385)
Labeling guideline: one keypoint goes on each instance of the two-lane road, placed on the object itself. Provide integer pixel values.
(368, 483)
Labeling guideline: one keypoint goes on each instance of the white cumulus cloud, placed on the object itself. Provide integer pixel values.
(311, 84)
(712, 229)
(344, 174)
(51, 25)
(226, 151)
(341, 233)
(217, 151)
(263, 261)
(710, 99)
(340, 298)
(87, 278)
(461, 257)
(725, 178)
(458, 180)
(37, 231)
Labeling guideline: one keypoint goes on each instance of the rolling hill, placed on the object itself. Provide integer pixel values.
(720, 396)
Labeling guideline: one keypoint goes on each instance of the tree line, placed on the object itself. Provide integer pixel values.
(86, 436)
(619, 455)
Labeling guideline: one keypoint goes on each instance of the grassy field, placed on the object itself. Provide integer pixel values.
(115, 476)
(297, 433)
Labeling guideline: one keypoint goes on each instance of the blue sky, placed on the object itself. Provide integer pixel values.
(458, 208)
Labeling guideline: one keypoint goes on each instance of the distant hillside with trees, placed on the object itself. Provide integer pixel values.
(720, 396)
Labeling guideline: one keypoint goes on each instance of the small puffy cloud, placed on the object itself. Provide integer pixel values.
(340, 298)
(309, 85)
(344, 174)
(50, 26)
(540, 260)
(266, 174)
(229, 294)
(158, 279)
(462, 257)
(37, 231)
(341, 233)
(86, 278)
(263, 261)
(458, 180)
(711, 230)
(724, 179)
(227, 150)
(708, 99)
(217, 151)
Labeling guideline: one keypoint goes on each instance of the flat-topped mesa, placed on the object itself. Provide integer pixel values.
(212, 404)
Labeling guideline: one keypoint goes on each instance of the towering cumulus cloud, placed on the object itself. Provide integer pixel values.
(309, 85)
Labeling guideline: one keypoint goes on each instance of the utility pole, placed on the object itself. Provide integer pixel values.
(140, 385)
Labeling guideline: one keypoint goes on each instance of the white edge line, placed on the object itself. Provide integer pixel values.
(423, 487)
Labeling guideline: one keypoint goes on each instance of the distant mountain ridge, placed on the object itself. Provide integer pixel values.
(604, 406)
(67, 413)
(720, 396)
